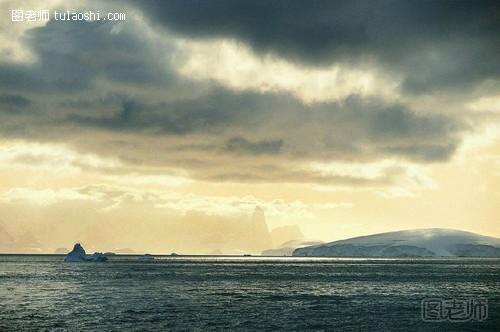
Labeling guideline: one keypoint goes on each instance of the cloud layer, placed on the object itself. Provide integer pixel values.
(122, 90)
(433, 45)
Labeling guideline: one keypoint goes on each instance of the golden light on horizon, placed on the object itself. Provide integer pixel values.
(155, 128)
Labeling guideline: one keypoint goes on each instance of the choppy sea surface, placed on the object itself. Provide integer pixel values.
(240, 293)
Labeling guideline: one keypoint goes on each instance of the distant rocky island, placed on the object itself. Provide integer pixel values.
(432, 242)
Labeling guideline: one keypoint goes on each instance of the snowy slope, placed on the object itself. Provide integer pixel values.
(409, 243)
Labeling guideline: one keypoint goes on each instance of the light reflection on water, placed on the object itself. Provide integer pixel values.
(238, 293)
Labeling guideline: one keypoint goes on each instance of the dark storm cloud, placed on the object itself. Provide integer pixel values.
(110, 90)
(276, 124)
(72, 56)
(432, 44)
(211, 112)
(177, 117)
(14, 101)
(11, 104)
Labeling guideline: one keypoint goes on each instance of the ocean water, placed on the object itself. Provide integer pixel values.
(239, 293)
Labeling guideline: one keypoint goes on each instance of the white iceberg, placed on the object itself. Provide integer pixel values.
(78, 255)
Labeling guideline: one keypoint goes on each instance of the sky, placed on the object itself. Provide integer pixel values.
(344, 118)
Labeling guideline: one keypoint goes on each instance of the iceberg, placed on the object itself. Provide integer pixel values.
(78, 255)
(147, 257)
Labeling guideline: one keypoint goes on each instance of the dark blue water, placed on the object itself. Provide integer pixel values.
(247, 293)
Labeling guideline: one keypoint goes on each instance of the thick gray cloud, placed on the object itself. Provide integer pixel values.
(13, 102)
(72, 56)
(249, 123)
(432, 44)
(109, 89)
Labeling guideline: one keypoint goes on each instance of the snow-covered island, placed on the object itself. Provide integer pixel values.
(78, 254)
(431, 242)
